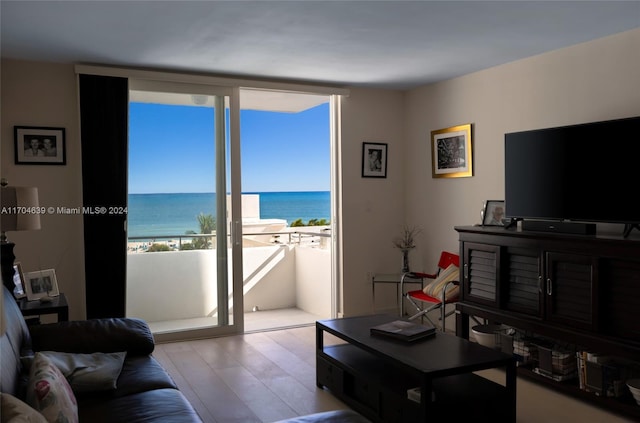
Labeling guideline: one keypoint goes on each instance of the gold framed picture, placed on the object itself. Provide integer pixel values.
(451, 152)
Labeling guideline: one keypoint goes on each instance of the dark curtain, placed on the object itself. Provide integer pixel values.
(104, 123)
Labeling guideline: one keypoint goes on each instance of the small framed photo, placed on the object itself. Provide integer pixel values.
(18, 281)
(493, 213)
(41, 283)
(374, 160)
(451, 152)
(39, 145)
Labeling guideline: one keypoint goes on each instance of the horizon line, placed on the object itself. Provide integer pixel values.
(212, 192)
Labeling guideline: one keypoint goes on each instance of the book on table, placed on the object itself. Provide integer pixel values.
(403, 330)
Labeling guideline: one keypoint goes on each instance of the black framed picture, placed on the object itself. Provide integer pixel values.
(493, 213)
(39, 145)
(374, 160)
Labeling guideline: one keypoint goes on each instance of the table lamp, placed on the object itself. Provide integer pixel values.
(19, 212)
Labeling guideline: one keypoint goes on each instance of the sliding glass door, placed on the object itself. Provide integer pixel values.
(182, 272)
(174, 161)
(287, 208)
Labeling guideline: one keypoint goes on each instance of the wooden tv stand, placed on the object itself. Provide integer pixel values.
(580, 289)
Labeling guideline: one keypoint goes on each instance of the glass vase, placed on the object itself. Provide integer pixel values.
(405, 261)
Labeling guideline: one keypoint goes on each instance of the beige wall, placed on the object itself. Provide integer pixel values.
(588, 82)
(372, 208)
(594, 81)
(43, 94)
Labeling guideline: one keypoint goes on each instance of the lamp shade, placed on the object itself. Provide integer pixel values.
(20, 209)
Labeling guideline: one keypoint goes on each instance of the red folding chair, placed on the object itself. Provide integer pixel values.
(423, 302)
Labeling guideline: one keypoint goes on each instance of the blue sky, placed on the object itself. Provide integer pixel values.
(171, 149)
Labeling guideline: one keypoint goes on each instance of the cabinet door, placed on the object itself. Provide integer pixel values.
(523, 288)
(570, 289)
(619, 298)
(481, 273)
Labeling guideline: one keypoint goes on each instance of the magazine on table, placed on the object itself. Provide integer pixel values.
(403, 330)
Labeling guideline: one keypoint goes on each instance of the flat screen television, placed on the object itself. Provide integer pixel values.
(585, 173)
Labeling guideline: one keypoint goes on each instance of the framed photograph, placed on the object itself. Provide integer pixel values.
(374, 160)
(18, 281)
(493, 213)
(451, 152)
(38, 145)
(41, 283)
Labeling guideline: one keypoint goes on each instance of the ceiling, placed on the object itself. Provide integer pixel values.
(385, 44)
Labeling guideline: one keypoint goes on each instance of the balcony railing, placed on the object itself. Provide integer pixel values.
(175, 242)
(284, 269)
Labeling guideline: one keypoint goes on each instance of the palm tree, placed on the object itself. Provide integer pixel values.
(207, 225)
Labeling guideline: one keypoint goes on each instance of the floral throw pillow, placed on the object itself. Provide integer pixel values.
(49, 392)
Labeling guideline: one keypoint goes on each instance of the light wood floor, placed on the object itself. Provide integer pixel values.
(253, 321)
(268, 376)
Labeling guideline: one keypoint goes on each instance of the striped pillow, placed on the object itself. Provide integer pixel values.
(434, 289)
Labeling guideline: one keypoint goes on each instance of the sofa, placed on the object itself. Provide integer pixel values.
(142, 392)
(134, 388)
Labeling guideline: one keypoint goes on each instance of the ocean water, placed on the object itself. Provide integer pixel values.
(175, 214)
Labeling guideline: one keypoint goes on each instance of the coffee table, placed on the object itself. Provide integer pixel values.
(373, 374)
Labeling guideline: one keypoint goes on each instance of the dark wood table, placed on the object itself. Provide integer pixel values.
(373, 374)
(58, 305)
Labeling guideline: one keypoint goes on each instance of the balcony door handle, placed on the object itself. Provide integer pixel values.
(236, 238)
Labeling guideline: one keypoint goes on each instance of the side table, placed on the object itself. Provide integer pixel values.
(393, 278)
(58, 305)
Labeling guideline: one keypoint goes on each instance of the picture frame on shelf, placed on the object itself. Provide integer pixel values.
(493, 213)
(451, 152)
(374, 160)
(41, 283)
(18, 281)
(39, 145)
